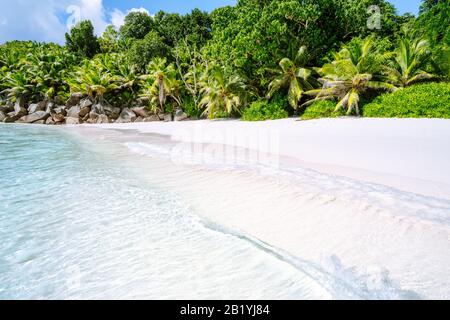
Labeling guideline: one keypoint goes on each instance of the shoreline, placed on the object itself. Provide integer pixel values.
(369, 240)
(406, 154)
(379, 239)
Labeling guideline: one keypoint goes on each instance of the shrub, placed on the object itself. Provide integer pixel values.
(190, 108)
(322, 109)
(262, 110)
(82, 40)
(431, 100)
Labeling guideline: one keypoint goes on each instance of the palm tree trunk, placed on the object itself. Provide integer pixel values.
(161, 94)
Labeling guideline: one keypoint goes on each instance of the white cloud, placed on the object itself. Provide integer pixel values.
(31, 20)
(118, 17)
(49, 20)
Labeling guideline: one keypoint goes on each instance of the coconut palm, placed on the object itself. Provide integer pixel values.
(349, 75)
(161, 83)
(221, 93)
(293, 75)
(47, 66)
(92, 79)
(409, 63)
(441, 62)
(18, 86)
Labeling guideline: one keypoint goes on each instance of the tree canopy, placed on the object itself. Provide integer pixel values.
(258, 52)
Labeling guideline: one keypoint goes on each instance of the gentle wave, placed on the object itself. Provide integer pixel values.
(80, 220)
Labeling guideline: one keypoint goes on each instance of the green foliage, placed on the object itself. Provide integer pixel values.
(82, 41)
(418, 101)
(137, 25)
(441, 61)
(262, 110)
(350, 75)
(322, 109)
(109, 41)
(161, 84)
(108, 76)
(197, 26)
(222, 92)
(143, 51)
(215, 64)
(434, 21)
(293, 76)
(410, 61)
(255, 35)
(34, 71)
(190, 107)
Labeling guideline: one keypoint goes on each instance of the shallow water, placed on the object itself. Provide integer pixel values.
(82, 219)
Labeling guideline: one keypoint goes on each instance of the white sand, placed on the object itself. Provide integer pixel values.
(409, 154)
(374, 213)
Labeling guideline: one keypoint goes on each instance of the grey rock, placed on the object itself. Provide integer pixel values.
(34, 117)
(126, 116)
(141, 112)
(59, 110)
(93, 117)
(50, 121)
(152, 118)
(112, 112)
(85, 103)
(10, 118)
(106, 108)
(74, 112)
(139, 119)
(72, 121)
(84, 112)
(98, 108)
(168, 117)
(102, 118)
(19, 111)
(180, 115)
(20, 102)
(40, 122)
(6, 109)
(86, 117)
(58, 117)
(50, 107)
(2, 116)
(74, 99)
(41, 106)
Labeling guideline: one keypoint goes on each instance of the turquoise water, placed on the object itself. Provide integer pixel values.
(80, 220)
(76, 223)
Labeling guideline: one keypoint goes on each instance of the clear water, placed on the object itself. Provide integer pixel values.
(76, 224)
(80, 223)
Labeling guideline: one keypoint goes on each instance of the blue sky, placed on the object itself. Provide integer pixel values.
(48, 20)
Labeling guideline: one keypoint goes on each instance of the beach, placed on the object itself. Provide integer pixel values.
(368, 200)
(328, 209)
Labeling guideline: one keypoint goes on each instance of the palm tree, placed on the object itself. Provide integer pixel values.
(293, 75)
(18, 86)
(162, 83)
(92, 79)
(221, 93)
(441, 63)
(408, 65)
(47, 67)
(349, 76)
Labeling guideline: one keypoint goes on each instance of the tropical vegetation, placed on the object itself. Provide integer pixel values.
(412, 102)
(257, 60)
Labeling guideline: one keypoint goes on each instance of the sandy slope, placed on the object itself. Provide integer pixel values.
(364, 200)
(409, 154)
